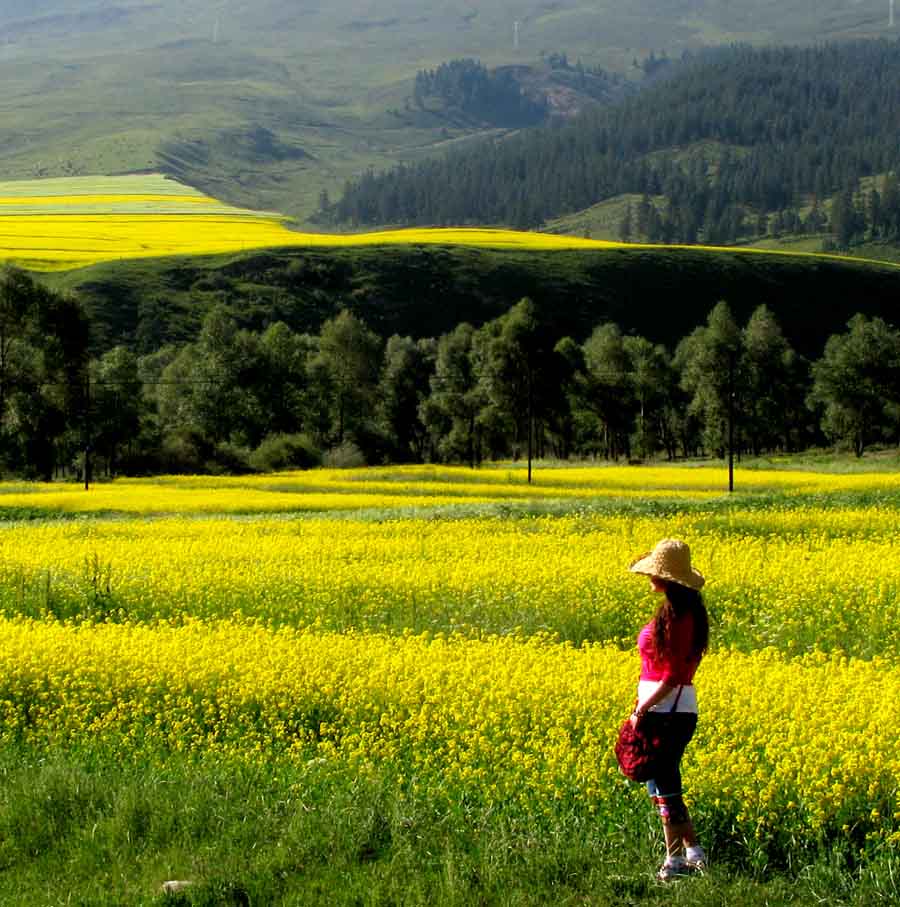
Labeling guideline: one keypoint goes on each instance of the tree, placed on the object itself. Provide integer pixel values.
(18, 313)
(567, 366)
(348, 360)
(116, 403)
(521, 374)
(43, 362)
(451, 412)
(709, 361)
(846, 220)
(856, 383)
(772, 398)
(606, 389)
(408, 367)
(283, 393)
(178, 419)
(224, 381)
(652, 380)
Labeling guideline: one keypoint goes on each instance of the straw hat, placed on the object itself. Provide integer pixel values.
(671, 560)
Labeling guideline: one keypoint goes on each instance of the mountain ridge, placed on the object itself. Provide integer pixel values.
(729, 148)
(330, 79)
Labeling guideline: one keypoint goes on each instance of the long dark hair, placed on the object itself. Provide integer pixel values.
(678, 601)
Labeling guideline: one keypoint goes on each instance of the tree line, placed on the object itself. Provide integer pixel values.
(770, 131)
(235, 399)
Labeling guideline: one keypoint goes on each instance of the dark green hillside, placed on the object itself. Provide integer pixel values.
(427, 291)
(733, 145)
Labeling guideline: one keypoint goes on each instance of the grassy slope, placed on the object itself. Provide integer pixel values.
(662, 293)
(603, 221)
(129, 88)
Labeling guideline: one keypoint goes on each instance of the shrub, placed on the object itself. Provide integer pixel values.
(182, 452)
(229, 459)
(344, 456)
(285, 452)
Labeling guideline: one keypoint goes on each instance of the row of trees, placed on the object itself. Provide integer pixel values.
(765, 129)
(690, 215)
(236, 399)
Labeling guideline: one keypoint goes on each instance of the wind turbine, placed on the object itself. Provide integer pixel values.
(221, 7)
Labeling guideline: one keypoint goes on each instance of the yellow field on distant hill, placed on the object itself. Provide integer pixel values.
(60, 224)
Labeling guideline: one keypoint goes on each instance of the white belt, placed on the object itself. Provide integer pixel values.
(686, 703)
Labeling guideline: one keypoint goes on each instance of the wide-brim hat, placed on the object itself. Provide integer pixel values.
(670, 560)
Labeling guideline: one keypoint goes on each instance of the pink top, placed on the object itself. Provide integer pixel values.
(675, 667)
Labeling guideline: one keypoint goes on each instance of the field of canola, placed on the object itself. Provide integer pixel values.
(469, 634)
(59, 224)
(66, 223)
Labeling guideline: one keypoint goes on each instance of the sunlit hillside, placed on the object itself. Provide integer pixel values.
(58, 224)
(61, 224)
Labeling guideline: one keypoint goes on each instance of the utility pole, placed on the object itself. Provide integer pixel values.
(530, 422)
(87, 433)
(731, 423)
(516, 25)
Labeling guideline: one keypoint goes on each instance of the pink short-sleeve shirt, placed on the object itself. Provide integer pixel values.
(675, 666)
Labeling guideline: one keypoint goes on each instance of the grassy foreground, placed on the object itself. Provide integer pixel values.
(401, 686)
(85, 831)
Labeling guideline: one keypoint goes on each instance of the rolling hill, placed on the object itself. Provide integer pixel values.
(149, 258)
(421, 291)
(265, 104)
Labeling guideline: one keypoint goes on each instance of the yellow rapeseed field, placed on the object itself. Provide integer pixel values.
(792, 578)
(67, 223)
(810, 742)
(60, 224)
(464, 630)
(423, 486)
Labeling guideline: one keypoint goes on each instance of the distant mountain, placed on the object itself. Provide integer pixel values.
(739, 144)
(269, 102)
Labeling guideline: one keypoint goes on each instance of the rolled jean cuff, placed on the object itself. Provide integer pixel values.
(668, 786)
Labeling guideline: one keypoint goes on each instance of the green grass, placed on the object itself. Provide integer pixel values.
(600, 221)
(881, 459)
(78, 828)
(604, 221)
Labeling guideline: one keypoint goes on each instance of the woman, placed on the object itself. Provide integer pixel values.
(671, 647)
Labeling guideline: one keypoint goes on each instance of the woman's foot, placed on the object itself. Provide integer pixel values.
(673, 868)
(695, 857)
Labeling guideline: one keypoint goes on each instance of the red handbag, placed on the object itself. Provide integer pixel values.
(640, 750)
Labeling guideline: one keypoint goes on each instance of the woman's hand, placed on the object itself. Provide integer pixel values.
(635, 718)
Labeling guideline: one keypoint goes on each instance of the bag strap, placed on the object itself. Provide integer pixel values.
(675, 703)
